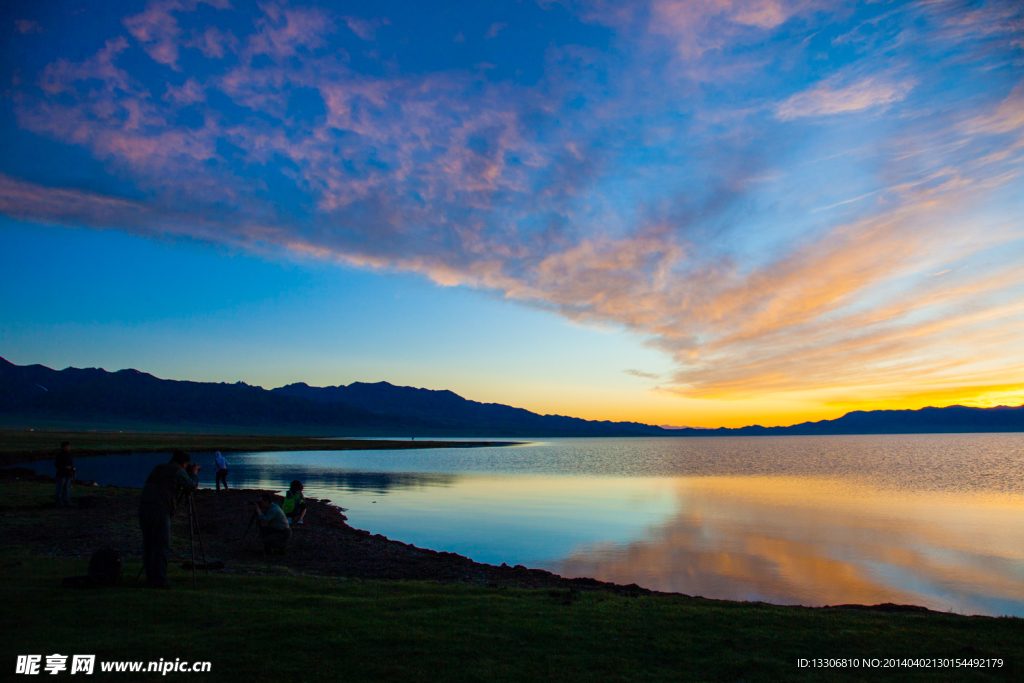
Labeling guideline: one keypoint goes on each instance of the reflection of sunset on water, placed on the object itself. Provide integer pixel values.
(934, 520)
(815, 541)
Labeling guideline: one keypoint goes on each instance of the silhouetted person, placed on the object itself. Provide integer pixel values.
(273, 524)
(295, 503)
(65, 466)
(156, 506)
(222, 470)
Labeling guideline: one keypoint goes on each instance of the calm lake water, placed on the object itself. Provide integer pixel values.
(934, 520)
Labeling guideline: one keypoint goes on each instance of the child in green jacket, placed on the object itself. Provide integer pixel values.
(295, 503)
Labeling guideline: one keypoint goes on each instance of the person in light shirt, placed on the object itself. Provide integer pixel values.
(222, 470)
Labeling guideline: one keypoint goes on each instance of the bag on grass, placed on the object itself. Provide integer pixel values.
(106, 561)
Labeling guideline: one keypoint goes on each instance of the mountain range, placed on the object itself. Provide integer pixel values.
(92, 398)
(33, 395)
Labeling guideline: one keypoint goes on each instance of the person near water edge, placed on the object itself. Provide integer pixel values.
(65, 474)
(222, 470)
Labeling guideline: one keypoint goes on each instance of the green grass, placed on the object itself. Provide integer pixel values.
(30, 494)
(295, 628)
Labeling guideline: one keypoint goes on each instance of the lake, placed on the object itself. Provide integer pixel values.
(933, 520)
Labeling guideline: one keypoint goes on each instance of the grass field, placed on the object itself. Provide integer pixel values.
(313, 629)
(296, 628)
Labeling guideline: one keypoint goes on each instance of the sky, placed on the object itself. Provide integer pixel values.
(688, 212)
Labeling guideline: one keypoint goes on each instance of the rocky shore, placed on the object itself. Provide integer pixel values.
(324, 545)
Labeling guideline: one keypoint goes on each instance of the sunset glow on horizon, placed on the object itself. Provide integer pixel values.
(679, 212)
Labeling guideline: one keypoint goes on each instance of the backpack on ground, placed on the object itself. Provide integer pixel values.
(106, 561)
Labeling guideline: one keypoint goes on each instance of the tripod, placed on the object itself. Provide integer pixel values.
(252, 520)
(193, 520)
(193, 531)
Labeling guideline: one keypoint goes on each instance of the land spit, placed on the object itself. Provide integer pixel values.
(20, 446)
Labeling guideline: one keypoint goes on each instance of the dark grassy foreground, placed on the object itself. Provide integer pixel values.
(24, 445)
(297, 628)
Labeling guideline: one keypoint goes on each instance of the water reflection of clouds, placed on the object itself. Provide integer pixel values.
(813, 541)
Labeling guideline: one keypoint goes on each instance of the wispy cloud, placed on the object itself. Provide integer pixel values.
(828, 99)
(643, 375)
(495, 29)
(25, 26)
(365, 28)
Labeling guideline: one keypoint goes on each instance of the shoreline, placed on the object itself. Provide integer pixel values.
(325, 546)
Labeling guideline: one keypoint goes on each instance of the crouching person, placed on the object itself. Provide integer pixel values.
(273, 524)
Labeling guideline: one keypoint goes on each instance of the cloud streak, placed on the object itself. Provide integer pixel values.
(829, 99)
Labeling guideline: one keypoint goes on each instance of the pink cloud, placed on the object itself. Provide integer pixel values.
(364, 28)
(157, 30)
(830, 98)
(693, 26)
(188, 93)
(1007, 117)
(20, 199)
(61, 75)
(214, 43)
(24, 26)
(284, 31)
(495, 29)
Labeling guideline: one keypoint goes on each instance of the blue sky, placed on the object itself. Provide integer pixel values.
(692, 212)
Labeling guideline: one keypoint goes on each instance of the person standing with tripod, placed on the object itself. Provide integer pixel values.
(160, 494)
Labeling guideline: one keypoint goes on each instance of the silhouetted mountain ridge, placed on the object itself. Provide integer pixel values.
(950, 419)
(93, 393)
(442, 405)
(39, 393)
(35, 393)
